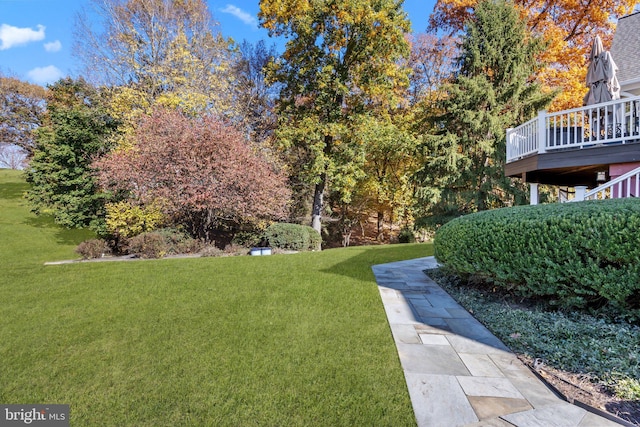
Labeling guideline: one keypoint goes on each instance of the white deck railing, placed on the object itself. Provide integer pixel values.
(610, 122)
(627, 185)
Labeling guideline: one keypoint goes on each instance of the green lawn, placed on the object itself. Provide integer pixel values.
(281, 340)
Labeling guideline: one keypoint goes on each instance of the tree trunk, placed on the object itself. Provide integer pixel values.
(318, 195)
(318, 201)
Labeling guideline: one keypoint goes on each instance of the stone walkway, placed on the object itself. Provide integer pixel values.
(457, 372)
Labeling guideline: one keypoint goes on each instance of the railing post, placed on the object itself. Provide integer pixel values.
(509, 144)
(542, 131)
(580, 192)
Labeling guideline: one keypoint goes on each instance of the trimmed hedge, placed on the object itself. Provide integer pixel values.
(579, 254)
(294, 237)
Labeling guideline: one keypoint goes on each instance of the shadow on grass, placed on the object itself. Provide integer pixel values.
(359, 265)
(41, 221)
(63, 236)
(12, 190)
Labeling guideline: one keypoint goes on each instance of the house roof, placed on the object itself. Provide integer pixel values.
(625, 48)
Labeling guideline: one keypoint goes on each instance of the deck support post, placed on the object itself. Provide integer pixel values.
(580, 192)
(534, 193)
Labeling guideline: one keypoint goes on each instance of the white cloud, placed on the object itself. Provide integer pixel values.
(11, 36)
(45, 75)
(53, 46)
(240, 14)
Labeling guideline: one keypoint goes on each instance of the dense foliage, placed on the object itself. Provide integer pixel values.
(292, 237)
(492, 91)
(364, 120)
(568, 28)
(201, 173)
(74, 133)
(341, 62)
(577, 254)
(126, 219)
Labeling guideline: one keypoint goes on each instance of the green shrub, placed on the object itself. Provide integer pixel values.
(94, 248)
(247, 238)
(580, 254)
(406, 235)
(294, 237)
(627, 388)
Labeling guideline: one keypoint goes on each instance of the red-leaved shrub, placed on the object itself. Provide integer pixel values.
(202, 171)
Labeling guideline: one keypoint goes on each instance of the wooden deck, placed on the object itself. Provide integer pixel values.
(573, 166)
(569, 148)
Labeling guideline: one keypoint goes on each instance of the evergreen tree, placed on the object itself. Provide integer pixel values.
(73, 134)
(492, 90)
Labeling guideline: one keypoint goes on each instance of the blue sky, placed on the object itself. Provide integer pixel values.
(36, 36)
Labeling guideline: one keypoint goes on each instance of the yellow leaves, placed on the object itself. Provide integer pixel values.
(344, 58)
(191, 103)
(161, 47)
(276, 13)
(128, 220)
(127, 105)
(567, 26)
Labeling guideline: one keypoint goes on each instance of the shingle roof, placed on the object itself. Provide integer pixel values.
(625, 48)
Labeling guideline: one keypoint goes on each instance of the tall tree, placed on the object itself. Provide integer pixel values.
(391, 161)
(74, 132)
(22, 105)
(566, 26)
(341, 59)
(492, 91)
(166, 51)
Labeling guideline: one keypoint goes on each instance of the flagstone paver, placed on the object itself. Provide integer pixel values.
(443, 402)
(457, 372)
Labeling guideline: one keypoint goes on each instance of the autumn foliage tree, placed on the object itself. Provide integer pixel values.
(341, 60)
(390, 163)
(22, 106)
(167, 48)
(153, 53)
(567, 27)
(200, 172)
(254, 98)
